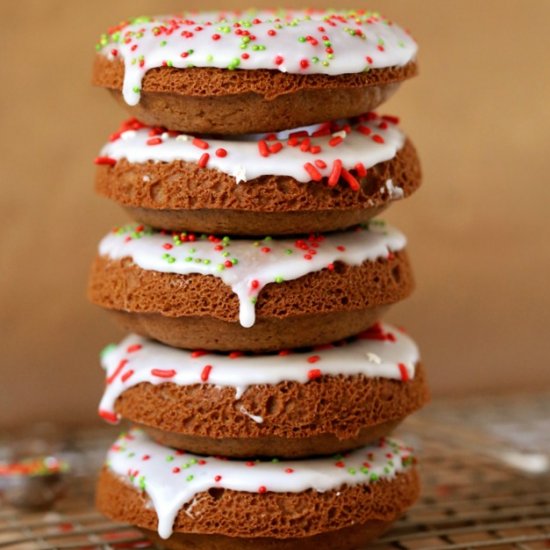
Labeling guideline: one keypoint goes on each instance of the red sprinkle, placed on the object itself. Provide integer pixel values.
(262, 489)
(206, 373)
(203, 161)
(133, 347)
(216, 36)
(275, 147)
(266, 249)
(163, 373)
(127, 375)
(320, 163)
(339, 464)
(336, 140)
(279, 60)
(154, 141)
(228, 264)
(313, 374)
(304, 63)
(121, 365)
(110, 417)
(271, 32)
(360, 169)
(365, 130)
(167, 246)
(250, 464)
(352, 182)
(313, 172)
(254, 284)
(198, 353)
(341, 248)
(403, 371)
(217, 478)
(200, 143)
(262, 148)
(105, 160)
(235, 354)
(335, 173)
(289, 471)
(313, 359)
(176, 470)
(377, 138)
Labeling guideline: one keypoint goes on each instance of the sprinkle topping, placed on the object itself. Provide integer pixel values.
(292, 41)
(247, 265)
(325, 150)
(381, 352)
(157, 476)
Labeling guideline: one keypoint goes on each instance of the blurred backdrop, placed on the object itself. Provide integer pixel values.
(479, 229)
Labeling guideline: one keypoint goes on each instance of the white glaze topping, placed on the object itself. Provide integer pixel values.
(293, 41)
(380, 352)
(305, 154)
(172, 479)
(247, 265)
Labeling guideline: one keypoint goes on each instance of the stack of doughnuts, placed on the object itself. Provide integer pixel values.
(259, 380)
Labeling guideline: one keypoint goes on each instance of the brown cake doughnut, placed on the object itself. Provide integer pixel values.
(203, 502)
(200, 292)
(229, 73)
(294, 404)
(326, 178)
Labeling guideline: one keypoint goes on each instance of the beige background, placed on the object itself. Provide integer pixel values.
(479, 229)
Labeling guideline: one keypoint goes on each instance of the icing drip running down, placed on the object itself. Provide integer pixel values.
(246, 265)
(290, 41)
(171, 478)
(305, 154)
(380, 352)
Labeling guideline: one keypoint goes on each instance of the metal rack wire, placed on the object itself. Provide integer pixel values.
(472, 497)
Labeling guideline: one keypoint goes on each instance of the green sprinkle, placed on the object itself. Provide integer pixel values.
(190, 477)
(169, 458)
(275, 460)
(136, 89)
(352, 471)
(234, 261)
(141, 482)
(302, 39)
(364, 470)
(188, 259)
(209, 58)
(374, 477)
(279, 279)
(220, 267)
(253, 300)
(289, 251)
(163, 43)
(206, 262)
(106, 350)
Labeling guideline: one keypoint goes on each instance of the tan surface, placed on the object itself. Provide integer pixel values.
(479, 229)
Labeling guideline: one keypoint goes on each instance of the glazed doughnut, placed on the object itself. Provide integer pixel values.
(206, 292)
(183, 500)
(319, 401)
(237, 73)
(323, 178)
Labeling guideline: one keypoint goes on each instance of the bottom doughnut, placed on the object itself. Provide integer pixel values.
(349, 538)
(188, 501)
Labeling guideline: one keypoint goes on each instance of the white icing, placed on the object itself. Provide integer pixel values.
(381, 352)
(369, 140)
(171, 480)
(293, 41)
(394, 191)
(246, 265)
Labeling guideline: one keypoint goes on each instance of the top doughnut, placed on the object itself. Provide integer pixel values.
(254, 71)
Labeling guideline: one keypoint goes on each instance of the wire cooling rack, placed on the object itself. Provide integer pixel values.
(486, 484)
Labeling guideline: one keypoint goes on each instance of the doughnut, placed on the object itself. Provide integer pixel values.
(249, 72)
(206, 292)
(322, 178)
(182, 500)
(320, 401)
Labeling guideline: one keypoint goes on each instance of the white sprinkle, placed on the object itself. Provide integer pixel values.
(373, 358)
